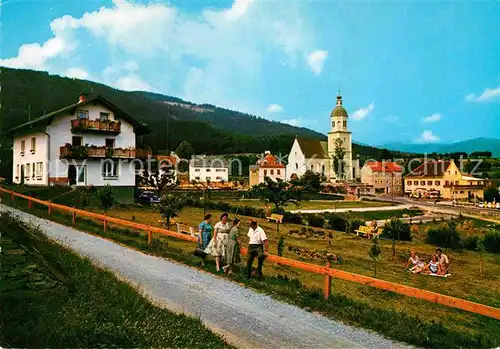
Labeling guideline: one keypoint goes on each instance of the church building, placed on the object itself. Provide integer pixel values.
(319, 156)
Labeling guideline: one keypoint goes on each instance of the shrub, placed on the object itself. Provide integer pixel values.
(295, 218)
(337, 221)
(491, 242)
(355, 224)
(397, 230)
(445, 235)
(316, 220)
(471, 243)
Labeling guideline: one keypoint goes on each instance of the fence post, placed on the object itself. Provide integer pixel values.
(150, 235)
(74, 217)
(29, 202)
(49, 209)
(105, 225)
(328, 282)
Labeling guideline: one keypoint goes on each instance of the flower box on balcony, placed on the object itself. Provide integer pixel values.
(102, 126)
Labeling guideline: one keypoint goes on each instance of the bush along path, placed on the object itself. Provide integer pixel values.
(244, 317)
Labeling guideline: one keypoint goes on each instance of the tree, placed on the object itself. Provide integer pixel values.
(279, 192)
(338, 158)
(161, 179)
(281, 246)
(396, 229)
(375, 254)
(491, 193)
(170, 206)
(310, 182)
(106, 197)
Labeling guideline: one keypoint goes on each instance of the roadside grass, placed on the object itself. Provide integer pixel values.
(310, 205)
(439, 327)
(85, 307)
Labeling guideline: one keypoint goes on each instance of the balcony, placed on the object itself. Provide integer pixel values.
(79, 152)
(99, 126)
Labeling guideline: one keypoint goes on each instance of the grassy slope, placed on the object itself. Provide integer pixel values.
(88, 307)
(360, 305)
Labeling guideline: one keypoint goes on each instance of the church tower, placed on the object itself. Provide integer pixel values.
(338, 119)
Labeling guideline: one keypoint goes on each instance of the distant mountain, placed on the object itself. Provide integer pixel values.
(468, 146)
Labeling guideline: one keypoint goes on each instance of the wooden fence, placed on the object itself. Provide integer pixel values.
(327, 271)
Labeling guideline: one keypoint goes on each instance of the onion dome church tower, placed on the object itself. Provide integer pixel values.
(340, 135)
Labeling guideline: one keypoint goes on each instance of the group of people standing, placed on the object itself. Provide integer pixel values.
(438, 265)
(222, 241)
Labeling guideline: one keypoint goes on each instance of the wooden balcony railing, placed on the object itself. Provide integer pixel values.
(86, 152)
(87, 125)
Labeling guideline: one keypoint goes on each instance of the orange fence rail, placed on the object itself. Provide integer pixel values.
(327, 271)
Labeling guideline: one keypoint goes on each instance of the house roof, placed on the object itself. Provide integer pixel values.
(431, 168)
(139, 128)
(382, 166)
(166, 160)
(270, 161)
(313, 148)
(208, 161)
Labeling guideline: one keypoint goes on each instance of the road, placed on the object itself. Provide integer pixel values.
(246, 319)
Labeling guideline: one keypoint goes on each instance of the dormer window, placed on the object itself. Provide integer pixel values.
(82, 114)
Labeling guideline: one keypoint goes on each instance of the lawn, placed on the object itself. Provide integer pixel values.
(52, 298)
(465, 282)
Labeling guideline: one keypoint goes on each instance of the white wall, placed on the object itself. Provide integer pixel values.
(296, 161)
(39, 154)
(200, 174)
(272, 173)
(60, 134)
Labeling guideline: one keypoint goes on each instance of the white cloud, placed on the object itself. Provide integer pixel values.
(432, 118)
(427, 137)
(489, 94)
(274, 108)
(35, 56)
(391, 119)
(362, 113)
(133, 82)
(76, 73)
(316, 60)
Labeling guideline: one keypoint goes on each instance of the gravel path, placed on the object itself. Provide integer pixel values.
(245, 318)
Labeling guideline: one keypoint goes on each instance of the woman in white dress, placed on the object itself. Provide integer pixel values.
(217, 246)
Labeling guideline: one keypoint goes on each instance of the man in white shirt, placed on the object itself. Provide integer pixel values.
(258, 247)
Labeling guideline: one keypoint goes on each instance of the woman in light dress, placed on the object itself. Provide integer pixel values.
(414, 264)
(434, 267)
(205, 234)
(233, 247)
(217, 246)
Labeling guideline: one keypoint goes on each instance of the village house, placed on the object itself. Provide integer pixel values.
(443, 178)
(204, 169)
(268, 166)
(381, 177)
(318, 156)
(91, 142)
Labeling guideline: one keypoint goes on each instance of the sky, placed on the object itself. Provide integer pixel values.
(408, 71)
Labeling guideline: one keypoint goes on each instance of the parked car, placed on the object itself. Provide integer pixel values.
(481, 204)
(147, 198)
(497, 205)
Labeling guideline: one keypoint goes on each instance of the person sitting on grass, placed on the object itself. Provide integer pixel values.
(443, 260)
(433, 267)
(414, 264)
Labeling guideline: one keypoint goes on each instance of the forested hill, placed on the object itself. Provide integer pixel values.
(208, 128)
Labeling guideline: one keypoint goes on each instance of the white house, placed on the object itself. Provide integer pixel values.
(204, 168)
(267, 166)
(91, 142)
(318, 156)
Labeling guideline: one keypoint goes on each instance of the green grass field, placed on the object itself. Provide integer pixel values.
(52, 298)
(439, 327)
(310, 205)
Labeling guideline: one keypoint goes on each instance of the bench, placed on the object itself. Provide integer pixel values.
(186, 229)
(364, 230)
(275, 218)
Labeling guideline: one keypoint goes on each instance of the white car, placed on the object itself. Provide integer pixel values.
(481, 204)
(497, 205)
